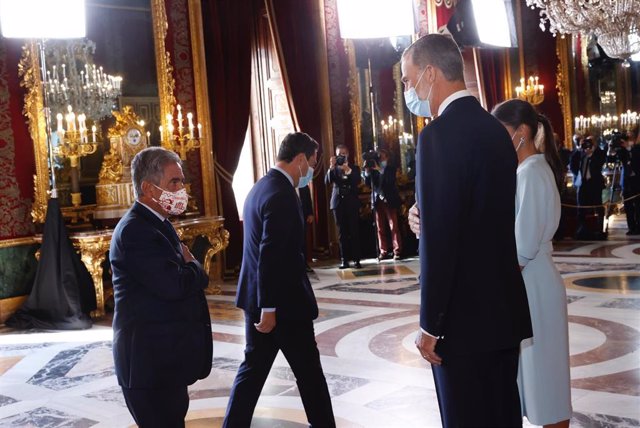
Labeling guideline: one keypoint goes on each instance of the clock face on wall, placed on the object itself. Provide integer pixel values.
(134, 136)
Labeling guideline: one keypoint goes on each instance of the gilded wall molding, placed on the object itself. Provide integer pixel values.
(29, 72)
(563, 49)
(6, 243)
(164, 69)
(210, 195)
(353, 84)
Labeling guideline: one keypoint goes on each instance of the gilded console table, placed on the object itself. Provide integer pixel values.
(93, 247)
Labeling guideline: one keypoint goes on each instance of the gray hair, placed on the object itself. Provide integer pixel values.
(148, 165)
(438, 50)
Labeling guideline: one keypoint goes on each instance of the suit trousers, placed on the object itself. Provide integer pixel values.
(387, 221)
(590, 194)
(296, 339)
(158, 407)
(347, 219)
(632, 206)
(479, 390)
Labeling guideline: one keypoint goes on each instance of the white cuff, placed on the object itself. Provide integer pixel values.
(429, 334)
(268, 309)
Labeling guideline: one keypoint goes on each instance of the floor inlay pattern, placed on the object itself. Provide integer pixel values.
(365, 335)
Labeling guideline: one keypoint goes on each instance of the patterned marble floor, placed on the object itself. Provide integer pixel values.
(365, 333)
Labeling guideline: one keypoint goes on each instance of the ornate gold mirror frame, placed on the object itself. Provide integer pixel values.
(33, 110)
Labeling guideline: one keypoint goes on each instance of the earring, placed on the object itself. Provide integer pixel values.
(521, 140)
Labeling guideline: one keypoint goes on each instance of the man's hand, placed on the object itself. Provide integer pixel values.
(310, 219)
(332, 162)
(267, 322)
(186, 253)
(427, 345)
(414, 220)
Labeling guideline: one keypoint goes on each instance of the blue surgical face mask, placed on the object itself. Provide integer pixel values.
(416, 105)
(383, 164)
(304, 181)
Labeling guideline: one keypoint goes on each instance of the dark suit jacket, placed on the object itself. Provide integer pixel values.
(598, 159)
(161, 324)
(630, 161)
(273, 272)
(472, 292)
(383, 185)
(345, 187)
(305, 199)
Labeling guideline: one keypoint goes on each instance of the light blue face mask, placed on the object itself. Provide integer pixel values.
(416, 105)
(304, 181)
(383, 164)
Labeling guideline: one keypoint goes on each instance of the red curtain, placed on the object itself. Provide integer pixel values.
(227, 34)
(296, 25)
(493, 82)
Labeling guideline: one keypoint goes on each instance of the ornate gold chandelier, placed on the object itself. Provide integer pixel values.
(615, 23)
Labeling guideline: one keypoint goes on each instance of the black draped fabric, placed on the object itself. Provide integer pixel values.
(63, 294)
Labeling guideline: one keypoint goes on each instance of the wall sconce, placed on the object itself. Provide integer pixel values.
(183, 141)
(532, 92)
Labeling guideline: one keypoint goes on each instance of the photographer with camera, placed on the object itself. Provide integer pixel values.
(385, 201)
(345, 205)
(586, 165)
(628, 154)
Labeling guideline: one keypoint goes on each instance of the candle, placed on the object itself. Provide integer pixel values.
(190, 119)
(93, 133)
(161, 135)
(179, 117)
(59, 117)
(199, 131)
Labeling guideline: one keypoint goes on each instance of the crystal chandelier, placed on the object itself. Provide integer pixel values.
(73, 79)
(615, 23)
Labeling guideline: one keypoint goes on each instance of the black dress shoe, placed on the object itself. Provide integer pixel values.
(357, 264)
(344, 265)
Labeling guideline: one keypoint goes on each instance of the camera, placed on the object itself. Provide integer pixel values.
(615, 139)
(371, 159)
(587, 143)
(341, 160)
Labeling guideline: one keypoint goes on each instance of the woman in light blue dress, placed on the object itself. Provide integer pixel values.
(543, 376)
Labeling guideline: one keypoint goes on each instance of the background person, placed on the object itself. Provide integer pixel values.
(543, 376)
(380, 176)
(161, 325)
(345, 205)
(586, 165)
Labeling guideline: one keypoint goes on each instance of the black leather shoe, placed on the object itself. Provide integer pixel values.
(344, 265)
(357, 264)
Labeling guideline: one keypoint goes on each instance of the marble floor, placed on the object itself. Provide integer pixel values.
(368, 320)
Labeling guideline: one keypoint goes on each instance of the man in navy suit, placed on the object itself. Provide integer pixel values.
(274, 291)
(161, 325)
(474, 311)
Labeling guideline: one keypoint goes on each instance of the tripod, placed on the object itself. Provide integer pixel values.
(617, 168)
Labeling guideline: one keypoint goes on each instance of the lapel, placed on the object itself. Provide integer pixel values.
(286, 186)
(169, 234)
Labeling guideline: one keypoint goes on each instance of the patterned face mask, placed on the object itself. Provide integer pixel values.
(175, 203)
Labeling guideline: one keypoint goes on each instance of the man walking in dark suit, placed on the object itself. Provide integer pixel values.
(474, 311)
(385, 201)
(161, 325)
(274, 290)
(345, 205)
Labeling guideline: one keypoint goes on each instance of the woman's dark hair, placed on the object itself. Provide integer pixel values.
(295, 143)
(518, 112)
